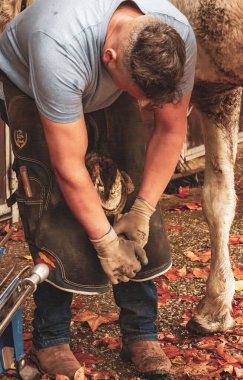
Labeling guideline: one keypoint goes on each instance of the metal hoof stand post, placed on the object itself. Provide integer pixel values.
(12, 295)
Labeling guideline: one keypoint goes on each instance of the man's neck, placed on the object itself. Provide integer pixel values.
(124, 13)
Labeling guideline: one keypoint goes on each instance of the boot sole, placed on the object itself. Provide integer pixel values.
(125, 356)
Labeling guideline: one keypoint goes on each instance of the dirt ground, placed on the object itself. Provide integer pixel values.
(216, 357)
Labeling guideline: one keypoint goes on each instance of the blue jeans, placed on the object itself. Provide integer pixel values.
(137, 300)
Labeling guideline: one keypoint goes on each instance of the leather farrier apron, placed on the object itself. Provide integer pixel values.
(115, 161)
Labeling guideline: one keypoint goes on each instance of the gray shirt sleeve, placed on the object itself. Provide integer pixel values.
(187, 81)
(56, 80)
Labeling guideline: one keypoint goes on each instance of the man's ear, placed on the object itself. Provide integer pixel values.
(109, 55)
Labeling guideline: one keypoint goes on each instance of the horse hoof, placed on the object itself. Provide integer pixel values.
(195, 328)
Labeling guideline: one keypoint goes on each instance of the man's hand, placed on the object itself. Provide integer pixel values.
(135, 224)
(120, 258)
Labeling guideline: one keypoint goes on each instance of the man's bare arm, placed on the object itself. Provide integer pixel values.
(164, 149)
(67, 147)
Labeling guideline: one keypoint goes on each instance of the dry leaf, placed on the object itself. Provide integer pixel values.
(80, 374)
(239, 285)
(174, 273)
(201, 272)
(236, 239)
(183, 192)
(169, 227)
(94, 320)
(239, 373)
(198, 256)
(110, 342)
(238, 271)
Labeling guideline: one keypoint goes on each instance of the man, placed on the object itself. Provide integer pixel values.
(75, 57)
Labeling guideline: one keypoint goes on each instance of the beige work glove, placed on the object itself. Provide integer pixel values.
(120, 259)
(135, 224)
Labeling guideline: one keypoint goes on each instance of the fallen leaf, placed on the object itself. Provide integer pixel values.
(86, 358)
(239, 320)
(174, 273)
(27, 335)
(169, 227)
(196, 205)
(80, 374)
(172, 351)
(228, 358)
(201, 272)
(198, 256)
(239, 373)
(239, 285)
(183, 192)
(62, 377)
(26, 257)
(238, 271)
(101, 375)
(110, 342)
(236, 239)
(190, 298)
(94, 320)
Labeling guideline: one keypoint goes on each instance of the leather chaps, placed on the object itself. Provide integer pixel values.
(115, 161)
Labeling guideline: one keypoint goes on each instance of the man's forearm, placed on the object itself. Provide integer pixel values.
(83, 200)
(161, 158)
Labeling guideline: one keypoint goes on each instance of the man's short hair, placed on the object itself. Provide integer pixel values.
(154, 57)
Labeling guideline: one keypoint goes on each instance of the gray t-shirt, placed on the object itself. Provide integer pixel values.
(52, 52)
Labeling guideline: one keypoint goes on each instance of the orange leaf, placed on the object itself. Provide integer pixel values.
(228, 358)
(94, 320)
(236, 239)
(174, 273)
(169, 227)
(86, 358)
(201, 272)
(239, 373)
(238, 271)
(239, 320)
(183, 192)
(110, 342)
(198, 256)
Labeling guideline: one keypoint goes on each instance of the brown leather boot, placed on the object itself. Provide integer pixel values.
(55, 360)
(148, 358)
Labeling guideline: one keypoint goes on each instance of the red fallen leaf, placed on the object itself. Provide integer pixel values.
(198, 256)
(18, 236)
(163, 298)
(169, 227)
(228, 358)
(227, 368)
(236, 239)
(238, 271)
(86, 358)
(174, 273)
(196, 205)
(201, 272)
(239, 373)
(207, 342)
(183, 192)
(239, 358)
(101, 375)
(27, 335)
(94, 320)
(77, 303)
(189, 298)
(239, 320)
(172, 351)
(27, 346)
(186, 316)
(110, 342)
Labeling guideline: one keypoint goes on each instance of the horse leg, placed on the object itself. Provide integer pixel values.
(221, 120)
